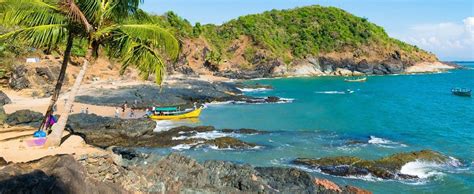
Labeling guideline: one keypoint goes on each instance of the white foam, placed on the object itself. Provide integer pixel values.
(331, 92)
(422, 169)
(165, 125)
(335, 92)
(384, 142)
(205, 135)
(254, 89)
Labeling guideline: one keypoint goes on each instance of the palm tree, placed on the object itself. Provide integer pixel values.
(101, 22)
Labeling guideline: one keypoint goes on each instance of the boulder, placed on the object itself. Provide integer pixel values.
(4, 99)
(25, 117)
(3, 162)
(227, 143)
(18, 79)
(52, 174)
(385, 168)
(343, 72)
(3, 115)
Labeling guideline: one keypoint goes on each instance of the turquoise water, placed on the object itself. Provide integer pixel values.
(391, 113)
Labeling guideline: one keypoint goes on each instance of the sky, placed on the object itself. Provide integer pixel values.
(443, 27)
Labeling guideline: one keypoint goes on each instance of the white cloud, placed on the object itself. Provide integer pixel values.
(449, 40)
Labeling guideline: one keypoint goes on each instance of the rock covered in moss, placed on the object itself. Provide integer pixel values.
(386, 168)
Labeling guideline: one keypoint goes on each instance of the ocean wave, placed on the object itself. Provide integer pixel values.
(254, 89)
(385, 142)
(181, 147)
(335, 92)
(205, 135)
(422, 169)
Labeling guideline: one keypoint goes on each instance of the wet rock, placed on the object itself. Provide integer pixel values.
(288, 180)
(179, 173)
(386, 168)
(51, 174)
(105, 131)
(227, 143)
(4, 99)
(24, 117)
(272, 99)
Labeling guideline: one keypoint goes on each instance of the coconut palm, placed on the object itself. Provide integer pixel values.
(102, 23)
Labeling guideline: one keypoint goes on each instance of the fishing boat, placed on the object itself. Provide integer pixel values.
(461, 92)
(171, 113)
(363, 79)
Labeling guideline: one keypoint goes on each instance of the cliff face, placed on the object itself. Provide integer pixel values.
(310, 40)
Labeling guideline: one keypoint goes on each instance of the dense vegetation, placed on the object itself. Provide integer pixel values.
(285, 34)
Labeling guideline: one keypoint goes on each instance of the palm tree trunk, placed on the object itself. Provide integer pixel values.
(54, 139)
(60, 81)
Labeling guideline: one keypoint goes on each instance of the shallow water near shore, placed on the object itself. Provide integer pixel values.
(385, 115)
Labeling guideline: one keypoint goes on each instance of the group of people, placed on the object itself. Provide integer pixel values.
(120, 112)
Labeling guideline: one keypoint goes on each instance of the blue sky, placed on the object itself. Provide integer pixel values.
(444, 27)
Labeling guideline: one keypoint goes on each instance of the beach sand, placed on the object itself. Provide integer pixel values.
(22, 149)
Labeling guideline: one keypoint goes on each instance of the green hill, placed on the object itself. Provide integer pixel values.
(325, 34)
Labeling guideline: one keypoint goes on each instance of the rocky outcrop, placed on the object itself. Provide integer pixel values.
(18, 79)
(105, 131)
(52, 174)
(4, 99)
(385, 168)
(24, 117)
(177, 173)
(108, 173)
(180, 93)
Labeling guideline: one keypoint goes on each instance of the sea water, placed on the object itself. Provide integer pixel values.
(383, 116)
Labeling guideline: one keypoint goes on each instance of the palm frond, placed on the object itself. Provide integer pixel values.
(39, 36)
(29, 13)
(146, 59)
(152, 35)
(90, 8)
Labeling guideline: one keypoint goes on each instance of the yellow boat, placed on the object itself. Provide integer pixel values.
(171, 115)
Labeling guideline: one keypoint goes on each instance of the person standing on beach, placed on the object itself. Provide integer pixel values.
(87, 110)
(117, 112)
(124, 108)
(132, 113)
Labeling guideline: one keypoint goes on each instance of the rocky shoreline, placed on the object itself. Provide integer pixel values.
(179, 93)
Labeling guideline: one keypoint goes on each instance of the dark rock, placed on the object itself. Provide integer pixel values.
(18, 79)
(3, 115)
(227, 143)
(288, 180)
(25, 117)
(45, 73)
(386, 168)
(344, 170)
(180, 173)
(182, 93)
(4, 99)
(126, 153)
(51, 174)
(272, 99)
(3, 162)
(105, 132)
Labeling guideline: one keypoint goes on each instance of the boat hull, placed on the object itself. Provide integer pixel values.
(192, 114)
(463, 94)
(356, 80)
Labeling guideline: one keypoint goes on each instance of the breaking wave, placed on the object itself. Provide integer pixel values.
(385, 142)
